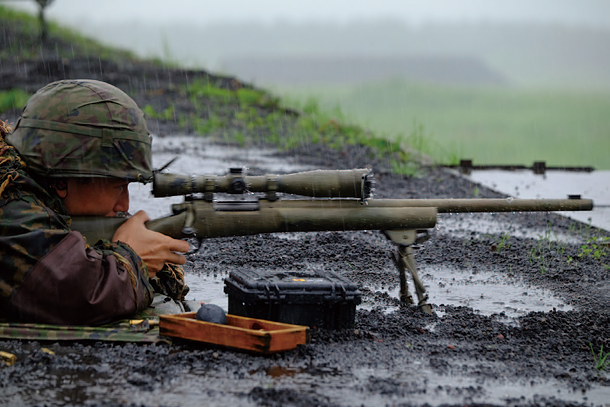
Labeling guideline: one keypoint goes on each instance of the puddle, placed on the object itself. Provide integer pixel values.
(462, 226)
(554, 184)
(207, 289)
(419, 382)
(484, 291)
(487, 292)
(203, 158)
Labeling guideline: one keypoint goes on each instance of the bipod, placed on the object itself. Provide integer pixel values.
(406, 241)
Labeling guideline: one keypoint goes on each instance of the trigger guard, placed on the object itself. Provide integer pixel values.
(195, 250)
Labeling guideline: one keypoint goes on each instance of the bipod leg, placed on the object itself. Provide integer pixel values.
(404, 239)
(407, 260)
(400, 264)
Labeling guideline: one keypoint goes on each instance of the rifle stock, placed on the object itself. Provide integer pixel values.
(203, 220)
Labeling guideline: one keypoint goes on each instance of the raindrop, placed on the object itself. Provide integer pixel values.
(439, 224)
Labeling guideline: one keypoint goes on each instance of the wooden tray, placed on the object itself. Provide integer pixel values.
(249, 334)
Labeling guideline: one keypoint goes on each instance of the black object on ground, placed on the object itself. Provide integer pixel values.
(539, 167)
(211, 313)
(313, 298)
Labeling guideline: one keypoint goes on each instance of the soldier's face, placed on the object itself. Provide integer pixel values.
(99, 197)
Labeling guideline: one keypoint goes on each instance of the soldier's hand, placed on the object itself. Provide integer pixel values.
(154, 248)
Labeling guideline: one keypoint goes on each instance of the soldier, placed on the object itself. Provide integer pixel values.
(75, 149)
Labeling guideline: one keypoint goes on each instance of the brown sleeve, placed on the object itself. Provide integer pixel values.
(72, 285)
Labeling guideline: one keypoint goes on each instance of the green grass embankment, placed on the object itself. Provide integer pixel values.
(488, 125)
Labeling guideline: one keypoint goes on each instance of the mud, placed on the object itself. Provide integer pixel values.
(394, 355)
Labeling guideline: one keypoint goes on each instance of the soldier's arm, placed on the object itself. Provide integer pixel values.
(55, 278)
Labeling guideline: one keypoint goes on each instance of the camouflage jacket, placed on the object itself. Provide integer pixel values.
(49, 273)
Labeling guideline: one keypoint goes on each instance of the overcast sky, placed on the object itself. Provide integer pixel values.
(585, 12)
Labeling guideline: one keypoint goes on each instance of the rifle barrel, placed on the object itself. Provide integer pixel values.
(490, 205)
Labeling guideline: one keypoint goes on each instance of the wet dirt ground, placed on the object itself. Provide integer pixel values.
(504, 331)
(517, 304)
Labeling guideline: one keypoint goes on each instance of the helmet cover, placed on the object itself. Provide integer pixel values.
(82, 129)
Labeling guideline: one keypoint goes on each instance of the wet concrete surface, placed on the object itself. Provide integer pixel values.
(511, 326)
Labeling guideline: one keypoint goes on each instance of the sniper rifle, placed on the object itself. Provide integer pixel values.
(338, 201)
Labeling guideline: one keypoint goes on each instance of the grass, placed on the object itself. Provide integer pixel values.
(332, 127)
(13, 99)
(501, 243)
(544, 246)
(601, 359)
(595, 247)
(488, 125)
(248, 114)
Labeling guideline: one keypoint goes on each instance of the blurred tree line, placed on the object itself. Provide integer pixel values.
(42, 5)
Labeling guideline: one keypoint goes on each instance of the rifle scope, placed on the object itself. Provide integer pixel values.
(318, 183)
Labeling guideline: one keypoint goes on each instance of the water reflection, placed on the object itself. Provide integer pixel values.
(554, 184)
(197, 155)
(486, 292)
(207, 289)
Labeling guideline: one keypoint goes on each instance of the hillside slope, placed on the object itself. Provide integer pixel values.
(182, 100)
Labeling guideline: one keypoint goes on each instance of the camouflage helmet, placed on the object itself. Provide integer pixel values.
(83, 128)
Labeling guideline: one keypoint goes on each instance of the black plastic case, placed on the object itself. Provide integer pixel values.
(313, 298)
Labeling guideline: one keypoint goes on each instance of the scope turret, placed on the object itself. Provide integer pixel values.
(318, 183)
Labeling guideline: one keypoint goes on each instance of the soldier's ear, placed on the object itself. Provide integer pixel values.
(61, 188)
